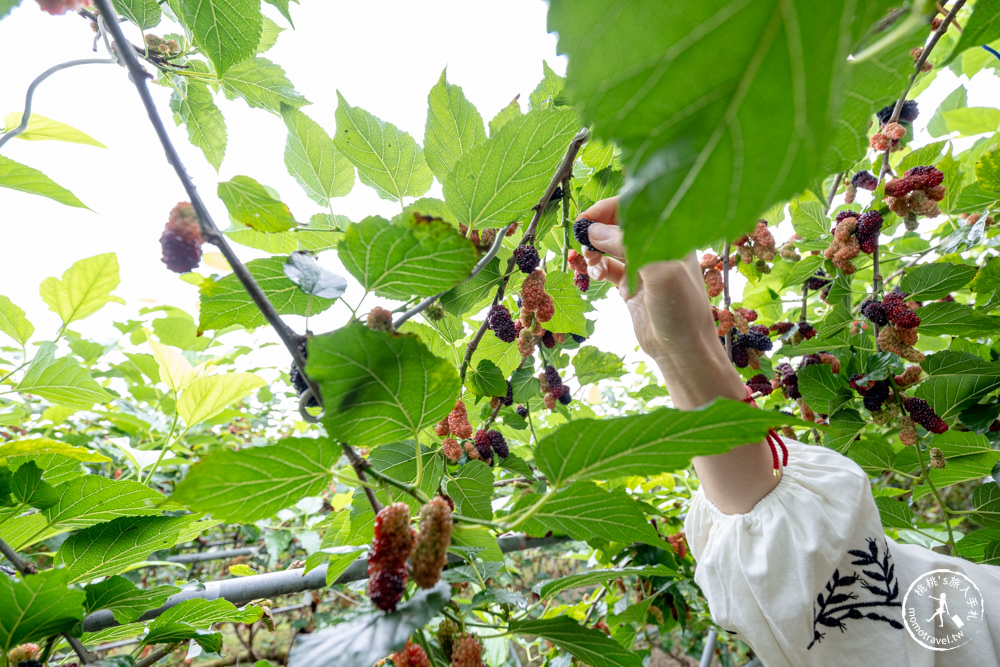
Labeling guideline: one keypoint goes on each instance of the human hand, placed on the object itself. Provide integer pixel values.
(670, 310)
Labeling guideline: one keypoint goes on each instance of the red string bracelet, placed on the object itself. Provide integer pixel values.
(774, 441)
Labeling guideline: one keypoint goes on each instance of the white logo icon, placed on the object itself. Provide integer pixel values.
(943, 610)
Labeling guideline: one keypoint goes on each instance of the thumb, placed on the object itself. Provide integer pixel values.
(607, 238)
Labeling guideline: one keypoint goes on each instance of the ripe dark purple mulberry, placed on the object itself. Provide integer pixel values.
(844, 215)
(754, 341)
(923, 414)
(565, 395)
(522, 411)
(508, 398)
(817, 281)
(181, 240)
(869, 227)
(877, 395)
(548, 340)
(552, 377)
(807, 330)
(386, 586)
(760, 383)
(789, 380)
(500, 322)
(527, 258)
(483, 446)
(874, 312)
(582, 281)
(741, 359)
(578, 338)
(390, 548)
(581, 230)
(908, 113)
(924, 177)
(498, 443)
(864, 180)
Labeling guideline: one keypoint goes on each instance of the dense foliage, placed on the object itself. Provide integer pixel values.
(465, 402)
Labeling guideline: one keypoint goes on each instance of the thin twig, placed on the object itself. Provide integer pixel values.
(480, 265)
(519, 480)
(565, 223)
(79, 649)
(805, 303)
(565, 170)
(360, 465)
(210, 231)
(26, 114)
(833, 190)
(25, 567)
(161, 652)
(898, 109)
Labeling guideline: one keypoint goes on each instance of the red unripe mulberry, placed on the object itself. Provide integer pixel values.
(923, 414)
(458, 422)
(412, 655)
(390, 548)
(468, 652)
(430, 554)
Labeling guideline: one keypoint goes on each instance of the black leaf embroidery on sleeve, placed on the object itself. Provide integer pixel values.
(841, 603)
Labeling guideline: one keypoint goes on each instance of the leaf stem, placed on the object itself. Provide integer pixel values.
(163, 449)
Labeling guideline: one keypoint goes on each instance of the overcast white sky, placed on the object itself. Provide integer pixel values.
(383, 55)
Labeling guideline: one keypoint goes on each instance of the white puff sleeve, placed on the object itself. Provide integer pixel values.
(808, 577)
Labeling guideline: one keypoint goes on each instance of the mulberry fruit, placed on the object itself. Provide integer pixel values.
(877, 395)
(909, 377)
(582, 281)
(782, 328)
(817, 281)
(471, 451)
(181, 240)
(714, 282)
(874, 312)
(451, 449)
(864, 180)
(576, 261)
(447, 631)
(483, 446)
(546, 311)
(923, 414)
(741, 359)
(522, 411)
(412, 655)
(748, 314)
(894, 339)
(899, 187)
(500, 322)
(807, 330)
(467, 652)
(844, 215)
(789, 380)
(458, 422)
(548, 340)
(760, 383)
(581, 230)
(897, 312)
(498, 443)
(380, 319)
(831, 361)
(552, 377)
(924, 177)
(434, 312)
(387, 558)
(937, 458)
(533, 290)
(508, 398)
(869, 227)
(908, 113)
(894, 131)
(57, 7)
(565, 395)
(430, 553)
(754, 341)
(907, 431)
(441, 429)
(527, 258)
(550, 401)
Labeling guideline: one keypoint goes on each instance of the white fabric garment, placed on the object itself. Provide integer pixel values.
(818, 533)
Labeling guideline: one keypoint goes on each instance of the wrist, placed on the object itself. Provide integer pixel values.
(699, 373)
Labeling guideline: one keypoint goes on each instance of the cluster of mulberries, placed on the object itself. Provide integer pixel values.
(581, 230)
(181, 240)
(500, 323)
(756, 248)
(844, 246)
(483, 449)
(747, 347)
(890, 134)
(527, 258)
(553, 388)
(581, 278)
(760, 384)
(789, 380)
(412, 655)
(923, 414)
(387, 558)
(380, 319)
(898, 312)
(23, 653)
(916, 193)
(430, 553)
(535, 298)
(467, 651)
(818, 280)
(888, 137)
(457, 423)
(711, 273)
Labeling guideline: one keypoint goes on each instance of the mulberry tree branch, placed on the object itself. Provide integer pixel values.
(564, 171)
(210, 231)
(898, 109)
